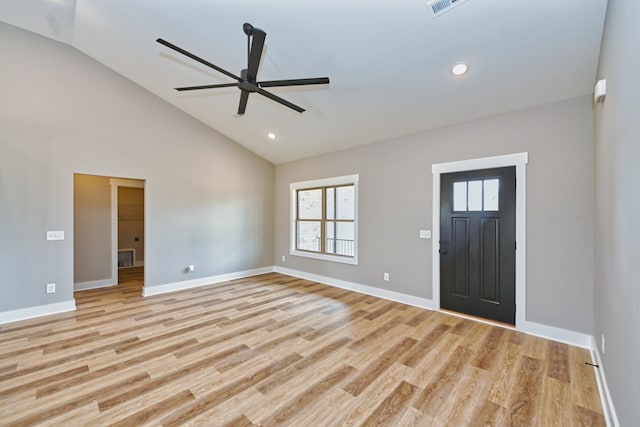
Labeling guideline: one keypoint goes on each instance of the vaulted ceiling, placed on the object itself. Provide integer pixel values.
(389, 61)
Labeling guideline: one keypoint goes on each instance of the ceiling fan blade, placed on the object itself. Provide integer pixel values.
(257, 44)
(295, 82)
(242, 107)
(181, 89)
(280, 100)
(197, 58)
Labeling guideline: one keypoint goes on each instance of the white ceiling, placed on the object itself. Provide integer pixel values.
(389, 61)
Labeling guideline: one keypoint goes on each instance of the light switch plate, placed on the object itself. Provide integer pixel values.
(425, 234)
(55, 235)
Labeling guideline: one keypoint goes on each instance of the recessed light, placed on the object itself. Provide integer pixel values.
(272, 136)
(459, 69)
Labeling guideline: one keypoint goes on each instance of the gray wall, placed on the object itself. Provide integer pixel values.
(91, 228)
(617, 197)
(209, 200)
(396, 201)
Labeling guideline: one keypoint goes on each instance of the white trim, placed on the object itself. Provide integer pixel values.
(94, 284)
(204, 281)
(326, 182)
(125, 182)
(38, 311)
(610, 415)
(566, 336)
(548, 332)
(325, 257)
(363, 289)
(114, 229)
(519, 160)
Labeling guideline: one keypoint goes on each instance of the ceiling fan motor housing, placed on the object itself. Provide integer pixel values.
(246, 84)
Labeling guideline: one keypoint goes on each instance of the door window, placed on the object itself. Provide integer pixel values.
(476, 195)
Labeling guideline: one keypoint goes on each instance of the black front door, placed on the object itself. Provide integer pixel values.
(477, 243)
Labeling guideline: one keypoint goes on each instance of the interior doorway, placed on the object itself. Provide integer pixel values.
(130, 234)
(109, 234)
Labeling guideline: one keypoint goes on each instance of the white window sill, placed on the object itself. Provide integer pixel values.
(326, 257)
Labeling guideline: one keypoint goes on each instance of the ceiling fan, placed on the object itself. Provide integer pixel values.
(247, 82)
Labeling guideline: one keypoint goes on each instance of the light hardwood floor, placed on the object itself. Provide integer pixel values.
(276, 350)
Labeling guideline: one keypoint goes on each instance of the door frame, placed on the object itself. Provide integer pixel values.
(519, 160)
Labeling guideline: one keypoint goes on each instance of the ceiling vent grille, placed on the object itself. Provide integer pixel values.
(438, 7)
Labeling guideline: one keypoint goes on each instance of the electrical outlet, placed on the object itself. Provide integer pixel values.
(603, 349)
(385, 276)
(282, 258)
(51, 288)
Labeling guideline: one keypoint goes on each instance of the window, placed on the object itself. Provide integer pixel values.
(324, 219)
(478, 195)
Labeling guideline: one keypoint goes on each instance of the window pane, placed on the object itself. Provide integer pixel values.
(491, 188)
(331, 203)
(330, 246)
(309, 235)
(475, 195)
(460, 196)
(310, 204)
(345, 238)
(345, 202)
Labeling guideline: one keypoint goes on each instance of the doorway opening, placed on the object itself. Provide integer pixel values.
(130, 235)
(108, 232)
(477, 243)
(518, 161)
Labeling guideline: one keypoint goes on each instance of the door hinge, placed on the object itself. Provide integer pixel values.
(515, 245)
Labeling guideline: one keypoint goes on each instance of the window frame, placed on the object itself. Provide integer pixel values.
(293, 219)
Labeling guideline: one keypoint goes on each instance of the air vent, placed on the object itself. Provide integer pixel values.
(438, 7)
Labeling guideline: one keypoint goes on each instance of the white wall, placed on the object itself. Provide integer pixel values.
(209, 200)
(396, 202)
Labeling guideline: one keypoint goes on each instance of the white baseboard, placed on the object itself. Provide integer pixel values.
(94, 284)
(566, 336)
(188, 284)
(605, 397)
(532, 328)
(41, 310)
(363, 289)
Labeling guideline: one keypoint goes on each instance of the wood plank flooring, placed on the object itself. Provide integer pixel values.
(275, 350)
